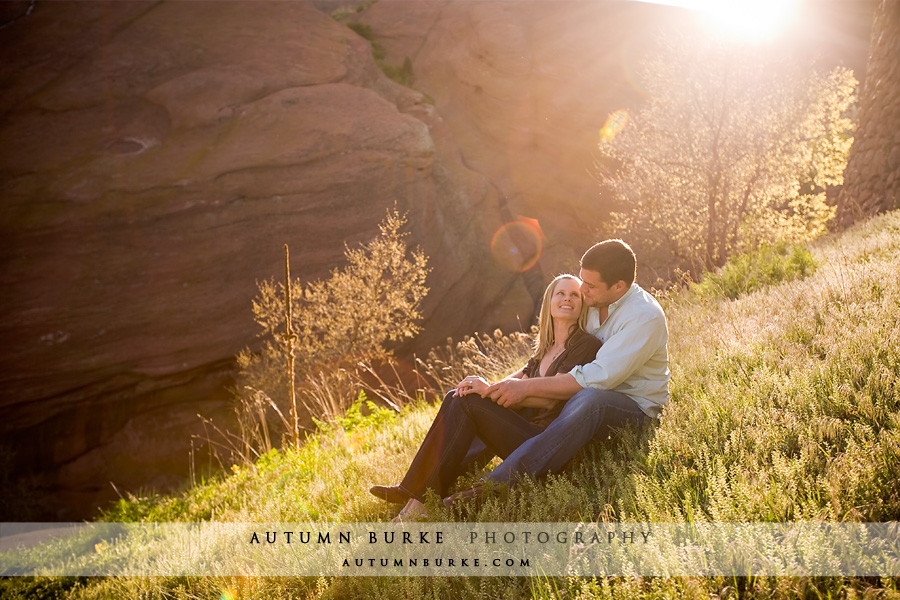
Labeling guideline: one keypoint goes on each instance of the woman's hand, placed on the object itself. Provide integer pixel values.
(471, 385)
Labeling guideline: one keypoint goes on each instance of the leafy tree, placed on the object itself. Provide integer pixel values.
(353, 316)
(733, 149)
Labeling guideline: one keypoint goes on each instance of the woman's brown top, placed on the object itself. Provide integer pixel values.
(581, 348)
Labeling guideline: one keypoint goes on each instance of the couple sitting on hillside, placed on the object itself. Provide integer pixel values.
(600, 363)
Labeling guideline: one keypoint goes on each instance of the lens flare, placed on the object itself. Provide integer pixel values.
(614, 125)
(517, 245)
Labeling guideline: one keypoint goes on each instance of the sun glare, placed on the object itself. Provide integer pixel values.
(752, 20)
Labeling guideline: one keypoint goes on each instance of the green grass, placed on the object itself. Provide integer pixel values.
(402, 73)
(341, 13)
(785, 406)
(751, 271)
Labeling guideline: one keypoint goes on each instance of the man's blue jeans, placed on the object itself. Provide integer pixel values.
(590, 414)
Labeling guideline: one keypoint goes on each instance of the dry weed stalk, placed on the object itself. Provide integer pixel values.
(290, 339)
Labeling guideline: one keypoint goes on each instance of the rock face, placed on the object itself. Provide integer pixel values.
(872, 178)
(525, 87)
(155, 157)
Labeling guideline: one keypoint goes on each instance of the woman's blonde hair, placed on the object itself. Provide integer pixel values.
(546, 336)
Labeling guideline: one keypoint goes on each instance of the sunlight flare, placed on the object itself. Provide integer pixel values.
(754, 20)
(749, 20)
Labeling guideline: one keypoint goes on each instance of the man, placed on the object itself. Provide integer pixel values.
(627, 383)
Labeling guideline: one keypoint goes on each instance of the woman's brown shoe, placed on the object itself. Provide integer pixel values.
(391, 493)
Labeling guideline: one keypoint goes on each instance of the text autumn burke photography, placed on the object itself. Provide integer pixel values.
(437, 537)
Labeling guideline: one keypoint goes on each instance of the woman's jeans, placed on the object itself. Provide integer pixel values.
(442, 457)
(525, 448)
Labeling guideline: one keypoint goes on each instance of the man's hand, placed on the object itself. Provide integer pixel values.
(540, 392)
(508, 393)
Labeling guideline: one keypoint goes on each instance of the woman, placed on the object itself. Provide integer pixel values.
(464, 415)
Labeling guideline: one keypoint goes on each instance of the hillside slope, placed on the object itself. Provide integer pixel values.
(785, 406)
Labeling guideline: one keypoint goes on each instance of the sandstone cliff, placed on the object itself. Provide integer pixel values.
(872, 177)
(154, 159)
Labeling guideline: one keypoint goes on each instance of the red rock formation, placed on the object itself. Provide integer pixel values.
(154, 159)
(525, 87)
(872, 177)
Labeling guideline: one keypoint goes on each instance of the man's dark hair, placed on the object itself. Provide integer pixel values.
(613, 259)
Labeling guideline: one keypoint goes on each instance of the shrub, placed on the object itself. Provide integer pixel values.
(362, 30)
(402, 74)
(343, 12)
(350, 318)
(374, 416)
(747, 272)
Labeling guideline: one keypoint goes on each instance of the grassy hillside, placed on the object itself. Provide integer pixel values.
(785, 406)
